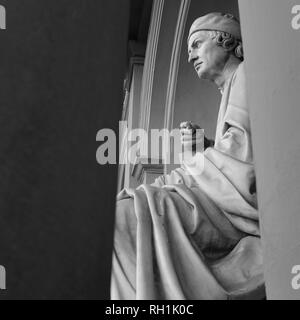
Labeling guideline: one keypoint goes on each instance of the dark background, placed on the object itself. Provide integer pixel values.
(62, 64)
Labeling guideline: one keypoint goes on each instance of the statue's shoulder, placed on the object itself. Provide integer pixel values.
(239, 75)
(238, 86)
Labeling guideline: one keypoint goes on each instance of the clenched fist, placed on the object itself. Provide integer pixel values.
(192, 137)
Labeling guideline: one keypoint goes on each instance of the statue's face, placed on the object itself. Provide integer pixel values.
(208, 58)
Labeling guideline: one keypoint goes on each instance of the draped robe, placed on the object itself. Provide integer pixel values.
(195, 235)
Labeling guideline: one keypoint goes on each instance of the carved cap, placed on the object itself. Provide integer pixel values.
(219, 22)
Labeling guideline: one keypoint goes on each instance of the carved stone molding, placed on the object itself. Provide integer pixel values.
(149, 68)
(127, 85)
(146, 172)
(174, 66)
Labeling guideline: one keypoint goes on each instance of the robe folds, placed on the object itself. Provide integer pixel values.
(195, 234)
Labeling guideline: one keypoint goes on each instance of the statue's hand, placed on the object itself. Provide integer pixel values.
(192, 137)
(189, 125)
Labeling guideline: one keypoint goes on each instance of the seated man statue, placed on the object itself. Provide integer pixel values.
(196, 235)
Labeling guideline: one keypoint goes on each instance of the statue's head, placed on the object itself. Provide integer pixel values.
(213, 40)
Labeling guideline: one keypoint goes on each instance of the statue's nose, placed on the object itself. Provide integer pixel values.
(192, 57)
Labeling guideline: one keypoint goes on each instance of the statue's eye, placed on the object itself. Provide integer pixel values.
(198, 43)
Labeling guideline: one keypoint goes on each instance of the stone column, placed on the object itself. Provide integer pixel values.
(272, 50)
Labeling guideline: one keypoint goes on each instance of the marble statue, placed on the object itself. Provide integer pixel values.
(196, 236)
